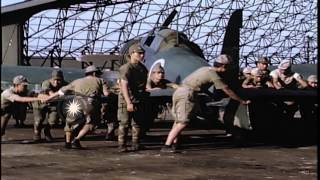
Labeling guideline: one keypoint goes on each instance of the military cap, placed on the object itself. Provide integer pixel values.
(263, 60)
(223, 59)
(20, 80)
(135, 48)
(246, 70)
(157, 68)
(312, 78)
(57, 74)
(91, 68)
(284, 64)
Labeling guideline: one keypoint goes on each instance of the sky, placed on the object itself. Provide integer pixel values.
(8, 2)
(253, 39)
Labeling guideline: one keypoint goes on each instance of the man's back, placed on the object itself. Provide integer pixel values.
(86, 86)
(202, 79)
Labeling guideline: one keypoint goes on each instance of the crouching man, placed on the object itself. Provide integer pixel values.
(83, 112)
(12, 98)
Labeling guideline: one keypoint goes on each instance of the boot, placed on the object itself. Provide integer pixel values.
(67, 145)
(17, 125)
(135, 139)
(36, 133)
(122, 133)
(110, 133)
(75, 144)
(68, 137)
(36, 137)
(47, 133)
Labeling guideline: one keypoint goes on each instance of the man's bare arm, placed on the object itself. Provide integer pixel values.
(234, 96)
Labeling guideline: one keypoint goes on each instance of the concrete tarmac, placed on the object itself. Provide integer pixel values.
(206, 154)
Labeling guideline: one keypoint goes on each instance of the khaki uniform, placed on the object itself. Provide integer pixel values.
(265, 74)
(9, 107)
(136, 76)
(184, 100)
(87, 91)
(41, 110)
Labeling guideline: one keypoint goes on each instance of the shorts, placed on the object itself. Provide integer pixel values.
(184, 104)
(88, 113)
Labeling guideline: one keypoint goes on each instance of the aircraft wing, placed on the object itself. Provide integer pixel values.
(162, 92)
(281, 94)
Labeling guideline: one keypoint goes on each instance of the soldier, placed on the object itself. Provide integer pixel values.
(262, 65)
(11, 97)
(109, 114)
(41, 110)
(312, 82)
(309, 109)
(157, 81)
(263, 75)
(184, 99)
(245, 74)
(256, 81)
(84, 111)
(284, 77)
(132, 97)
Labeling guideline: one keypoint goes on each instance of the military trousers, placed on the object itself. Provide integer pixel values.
(16, 110)
(135, 119)
(40, 115)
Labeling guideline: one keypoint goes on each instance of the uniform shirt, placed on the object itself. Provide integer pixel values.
(163, 84)
(86, 86)
(202, 79)
(47, 86)
(8, 97)
(265, 74)
(286, 81)
(136, 76)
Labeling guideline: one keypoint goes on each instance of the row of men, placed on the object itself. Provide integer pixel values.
(282, 77)
(134, 88)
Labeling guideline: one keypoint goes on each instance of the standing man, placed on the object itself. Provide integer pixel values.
(185, 100)
(132, 97)
(49, 110)
(11, 99)
(83, 112)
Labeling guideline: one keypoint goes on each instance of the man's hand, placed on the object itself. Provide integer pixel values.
(296, 76)
(43, 98)
(245, 102)
(130, 107)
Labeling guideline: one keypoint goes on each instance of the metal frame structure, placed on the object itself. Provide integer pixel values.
(276, 29)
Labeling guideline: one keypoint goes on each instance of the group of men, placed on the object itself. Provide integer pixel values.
(134, 91)
(281, 77)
